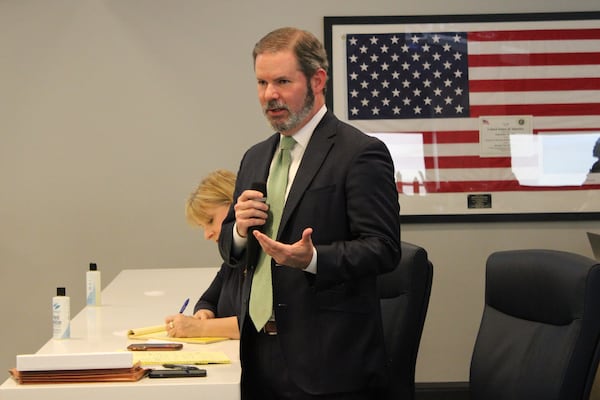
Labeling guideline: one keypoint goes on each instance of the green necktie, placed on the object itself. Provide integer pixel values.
(261, 295)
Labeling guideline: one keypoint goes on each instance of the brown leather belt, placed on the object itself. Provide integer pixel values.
(270, 328)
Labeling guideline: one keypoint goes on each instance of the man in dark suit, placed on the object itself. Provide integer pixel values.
(339, 229)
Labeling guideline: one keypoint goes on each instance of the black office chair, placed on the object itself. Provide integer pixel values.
(539, 333)
(404, 295)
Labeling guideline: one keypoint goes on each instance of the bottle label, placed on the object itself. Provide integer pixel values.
(91, 294)
(61, 318)
(93, 288)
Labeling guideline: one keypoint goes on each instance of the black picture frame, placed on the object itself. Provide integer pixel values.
(529, 202)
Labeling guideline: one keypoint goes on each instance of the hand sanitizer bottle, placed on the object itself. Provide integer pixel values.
(93, 288)
(61, 315)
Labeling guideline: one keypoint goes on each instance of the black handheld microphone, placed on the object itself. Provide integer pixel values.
(252, 247)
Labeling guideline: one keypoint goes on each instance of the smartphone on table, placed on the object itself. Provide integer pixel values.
(177, 373)
(154, 346)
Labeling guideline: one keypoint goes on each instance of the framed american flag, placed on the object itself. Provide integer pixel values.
(488, 117)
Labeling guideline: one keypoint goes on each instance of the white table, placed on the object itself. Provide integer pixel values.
(138, 298)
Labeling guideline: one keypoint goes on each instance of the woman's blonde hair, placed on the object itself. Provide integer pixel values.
(216, 189)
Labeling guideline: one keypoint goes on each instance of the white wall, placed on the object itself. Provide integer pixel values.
(112, 110)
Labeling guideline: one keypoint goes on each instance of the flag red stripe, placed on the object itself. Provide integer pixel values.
(524, 85)
(468, 162)
(491, 186)
(445, 137)
(472, 136)
(535, 59)
(538, 110)
(537, 34)
(593, 130)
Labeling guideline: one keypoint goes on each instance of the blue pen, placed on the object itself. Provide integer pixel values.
(183, 307)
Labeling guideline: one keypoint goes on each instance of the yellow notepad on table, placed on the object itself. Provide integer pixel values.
(159, 332)
(180, 357)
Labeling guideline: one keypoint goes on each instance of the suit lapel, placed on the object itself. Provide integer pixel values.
(315, 154)
(261, 168)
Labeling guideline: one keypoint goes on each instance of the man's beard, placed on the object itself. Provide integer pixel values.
(295, 119)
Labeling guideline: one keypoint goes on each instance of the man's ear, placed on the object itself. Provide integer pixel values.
(319, 80)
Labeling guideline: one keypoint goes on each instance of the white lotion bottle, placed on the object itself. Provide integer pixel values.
(93, 288)
(61, 315)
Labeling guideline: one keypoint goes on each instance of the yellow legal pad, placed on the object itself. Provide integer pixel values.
(159, 332)
(180, 357)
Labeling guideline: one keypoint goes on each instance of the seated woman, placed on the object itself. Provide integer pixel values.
(215, 313)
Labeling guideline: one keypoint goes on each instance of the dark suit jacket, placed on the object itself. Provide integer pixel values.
(329, 324)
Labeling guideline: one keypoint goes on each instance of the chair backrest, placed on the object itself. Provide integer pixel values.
(538, 337)
(404, 295)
